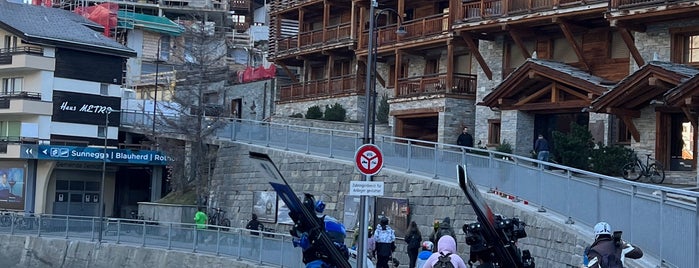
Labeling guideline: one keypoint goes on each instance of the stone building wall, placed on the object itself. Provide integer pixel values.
(354, 105)
(519, 131)
(493, 53)
(261, 93)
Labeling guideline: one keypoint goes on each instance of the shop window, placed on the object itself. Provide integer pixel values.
(77, 186)
(92, 186)
(104, 89)
(493, 131)
(101, 131)
(685, 45)
(62, 185)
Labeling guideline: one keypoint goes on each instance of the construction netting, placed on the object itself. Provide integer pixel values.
(104, 14)
(251, 74)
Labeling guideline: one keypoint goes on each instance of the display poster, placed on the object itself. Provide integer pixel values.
(265, 206)
(12, 188)
(352, 210)
(398, 212)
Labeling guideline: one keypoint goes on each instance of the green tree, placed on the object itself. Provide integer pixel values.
(574, 148)
(382, 113)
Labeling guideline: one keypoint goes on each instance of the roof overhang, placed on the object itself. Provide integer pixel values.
(546, 87)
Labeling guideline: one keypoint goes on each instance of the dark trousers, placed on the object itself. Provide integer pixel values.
(382, 261)
(412, 254)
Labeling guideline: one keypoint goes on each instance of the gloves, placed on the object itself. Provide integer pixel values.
(302, 242)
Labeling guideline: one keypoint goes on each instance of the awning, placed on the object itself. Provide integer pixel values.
(164, 25)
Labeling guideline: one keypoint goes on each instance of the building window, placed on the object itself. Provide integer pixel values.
(101, 131)
(493, 132)
(104, 89)
(623, 135)
(10, 42)
(685, 45)
(10, 130)
(164, 48)
(11, 85)
(391, 75)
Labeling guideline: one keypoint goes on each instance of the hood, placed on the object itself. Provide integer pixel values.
(446, 243)
(445, 224)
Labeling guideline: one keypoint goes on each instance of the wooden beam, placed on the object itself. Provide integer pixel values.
(632, 128)
(575, 93)
(691, 117)
(561, 105)
(659, 83)
(628, 40)
(624, 112)
(473, 47)
(554, 93)
(534, 96)
(379, 77)
(289, 73)
(571, 39)
(396, 71)
(450, 64)
(518, 41)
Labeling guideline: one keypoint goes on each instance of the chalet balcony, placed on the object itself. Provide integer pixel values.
(280, 6)
(486, 9)
(422, 28)
(23, 103)
(462, 84)
(324, 88)
(316, 39)
(25, 58)
(628, 4)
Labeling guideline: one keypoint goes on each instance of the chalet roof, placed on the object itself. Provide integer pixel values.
(686, 93)
(649, 82)
(57, 27)
(546, 85)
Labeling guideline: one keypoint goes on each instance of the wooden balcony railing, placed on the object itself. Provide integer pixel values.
(484, 9)
(284, 5)
(337, 32)
(385, 36)
(617, 4)
(463, 84)
(427, 26)
(341, 85)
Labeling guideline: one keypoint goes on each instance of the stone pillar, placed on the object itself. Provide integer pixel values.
(457, 114)
(601, 128)
(518, 130)
(156, 183)
(493, 53)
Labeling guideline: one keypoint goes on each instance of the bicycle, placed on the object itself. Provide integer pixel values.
(218, 219)
(651, 169)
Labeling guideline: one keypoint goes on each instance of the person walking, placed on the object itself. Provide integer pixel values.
(541, 148)
(200, 218)
(425, 253)
(444, 229)
(413, 238)
(254, 224)
(385, 239)
(465, 138)
(446, 253)
(608, 251)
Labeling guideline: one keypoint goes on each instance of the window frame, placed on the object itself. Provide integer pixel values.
(494, 132)
(12, 83)
(679, 44)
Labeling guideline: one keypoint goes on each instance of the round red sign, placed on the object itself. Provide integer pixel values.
(369, 159)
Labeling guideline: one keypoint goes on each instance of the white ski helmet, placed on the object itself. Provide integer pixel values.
(602, 228)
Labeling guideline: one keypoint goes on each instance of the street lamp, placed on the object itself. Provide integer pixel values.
(104, 171)
(369, 116)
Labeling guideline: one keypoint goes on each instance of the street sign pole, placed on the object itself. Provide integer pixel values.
(369, 161)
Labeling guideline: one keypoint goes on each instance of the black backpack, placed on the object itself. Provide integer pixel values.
(444, 261)
(609, 259)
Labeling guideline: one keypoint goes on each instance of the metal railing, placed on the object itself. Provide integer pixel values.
(663, 221)
(266, 248)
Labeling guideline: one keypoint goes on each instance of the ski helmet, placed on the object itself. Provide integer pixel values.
(602, 228)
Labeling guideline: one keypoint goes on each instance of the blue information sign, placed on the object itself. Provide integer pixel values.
(96, 154)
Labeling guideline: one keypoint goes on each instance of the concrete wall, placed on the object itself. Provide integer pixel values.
(39, 252)
(552, 243)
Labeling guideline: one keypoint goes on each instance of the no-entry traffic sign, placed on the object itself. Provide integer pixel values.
(368, 159)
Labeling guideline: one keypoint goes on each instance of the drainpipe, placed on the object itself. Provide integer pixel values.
(264, 103)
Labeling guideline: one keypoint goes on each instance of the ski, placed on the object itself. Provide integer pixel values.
(506, 254)
(305, 220)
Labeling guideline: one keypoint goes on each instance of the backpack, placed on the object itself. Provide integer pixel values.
(444, 261)
(609, 259)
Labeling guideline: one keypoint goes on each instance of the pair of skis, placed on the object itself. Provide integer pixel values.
(506, 253)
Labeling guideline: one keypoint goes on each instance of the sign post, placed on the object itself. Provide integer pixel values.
(369, 161)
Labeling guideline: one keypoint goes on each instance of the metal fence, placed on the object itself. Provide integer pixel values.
(266, 248)
(663, 221)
